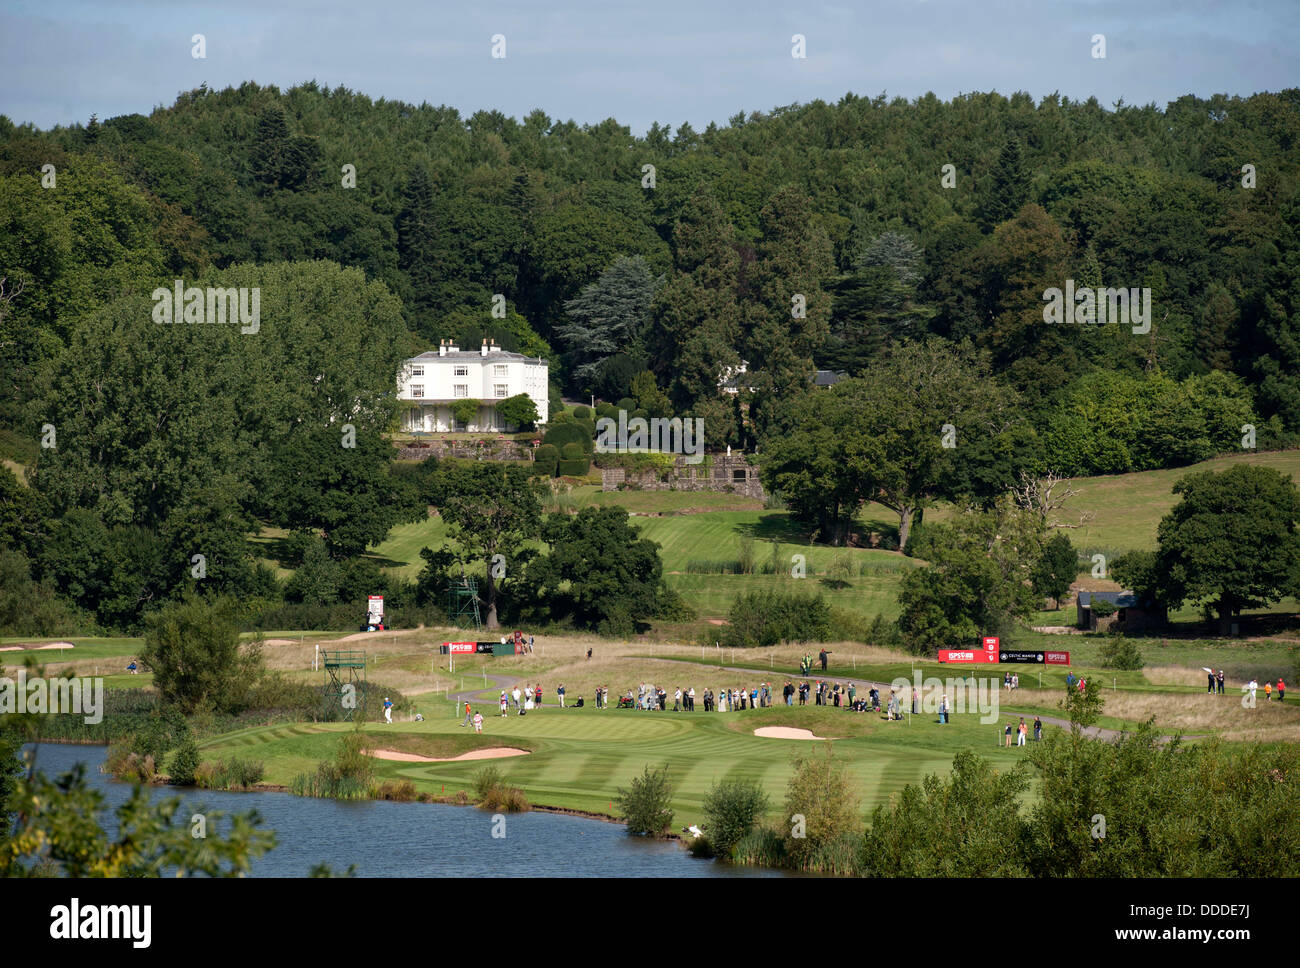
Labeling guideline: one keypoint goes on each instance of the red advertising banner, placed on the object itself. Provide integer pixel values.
(967, 655)
(1056, 658)
(458, 647)
(991, 643)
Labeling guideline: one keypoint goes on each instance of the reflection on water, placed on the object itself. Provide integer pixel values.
(385, 839)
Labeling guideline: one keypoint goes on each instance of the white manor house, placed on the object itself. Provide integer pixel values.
(432, 382)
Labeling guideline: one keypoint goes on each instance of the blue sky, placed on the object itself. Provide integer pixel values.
(664, 60)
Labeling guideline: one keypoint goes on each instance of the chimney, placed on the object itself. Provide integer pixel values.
(484, 350)
(442, 347)
(492, 347)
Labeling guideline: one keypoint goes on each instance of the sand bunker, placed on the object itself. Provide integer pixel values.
(33, 647)
(280, 642)
(493, 753)
(785, 732)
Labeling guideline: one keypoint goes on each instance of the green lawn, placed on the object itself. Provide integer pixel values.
(581, 756)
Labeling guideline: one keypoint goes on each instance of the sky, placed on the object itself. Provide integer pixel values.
(657, 60)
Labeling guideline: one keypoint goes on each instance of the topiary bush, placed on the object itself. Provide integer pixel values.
(573, 468)
(572, 451)
(627, 403)
(582, 413)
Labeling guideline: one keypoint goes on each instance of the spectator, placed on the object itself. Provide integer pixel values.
(560, 692)
(1022, 731)
(788, 693)
(1008, 735)
(1038, 729)
(478, 722)
(1281, 690)
(1220, 682)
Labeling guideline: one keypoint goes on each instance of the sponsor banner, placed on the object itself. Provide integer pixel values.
(967, 655)
(485, 647)
(1036, 657)
(375, 609)
(458, 647)
(1057, 658)
(991, 643)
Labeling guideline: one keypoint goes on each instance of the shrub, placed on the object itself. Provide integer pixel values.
(346, 777)
(765, 618)
(628, 404)
(644, 805)
(185, 761)
(403, 790)
(604, 409)
(732, 808)
(1102, 608)
(570, 433)
(1121, 653)
(820, 805)
(761, 847)
(495, 794)
(572, 451)
(464, 411)
(581, 413)
(573, 468)
(546, 452)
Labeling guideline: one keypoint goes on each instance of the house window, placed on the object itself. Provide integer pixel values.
(499, 369)
(460, 371)
(417, 390)
(462, 390)
(417, 371)
(501, 390)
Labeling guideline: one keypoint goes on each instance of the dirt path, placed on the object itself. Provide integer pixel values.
(496, 682)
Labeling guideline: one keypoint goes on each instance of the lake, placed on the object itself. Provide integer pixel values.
(387, 839)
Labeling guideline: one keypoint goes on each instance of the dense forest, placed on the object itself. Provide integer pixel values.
(900, 231)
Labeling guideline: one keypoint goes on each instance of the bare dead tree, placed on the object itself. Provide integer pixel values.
(1044, 496)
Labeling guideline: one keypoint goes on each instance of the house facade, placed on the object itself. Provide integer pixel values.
(433, 382)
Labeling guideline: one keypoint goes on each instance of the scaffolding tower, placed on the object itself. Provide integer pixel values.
(463, 601)
(345, 683)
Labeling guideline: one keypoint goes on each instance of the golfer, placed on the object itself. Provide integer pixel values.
(388, 710)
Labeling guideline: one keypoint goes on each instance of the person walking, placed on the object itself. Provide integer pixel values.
(560, 692)
(1022, 732)
(1038, 729)
(388, 710)
(504, 702)
(478, 722)
(1281, 690)
(1008, 735)
(469, 714)
(1268, 691)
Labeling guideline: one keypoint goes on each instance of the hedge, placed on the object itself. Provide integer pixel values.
(572, 451)
(574, 468)
(546, 452)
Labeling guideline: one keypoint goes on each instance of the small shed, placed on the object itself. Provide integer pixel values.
(1131, 614)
